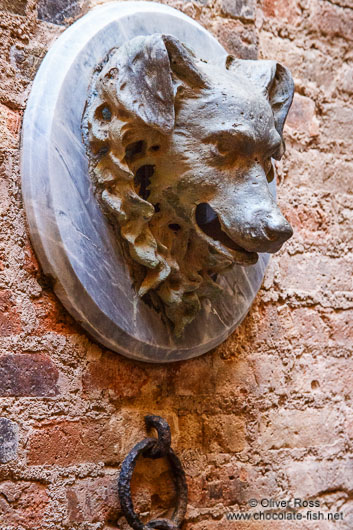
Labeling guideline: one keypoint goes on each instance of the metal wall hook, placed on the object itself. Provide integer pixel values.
(153, 448)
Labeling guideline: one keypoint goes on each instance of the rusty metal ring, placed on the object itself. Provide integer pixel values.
(153, 448)
(164, 440)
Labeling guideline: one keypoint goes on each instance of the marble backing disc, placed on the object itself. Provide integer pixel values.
(71, 236)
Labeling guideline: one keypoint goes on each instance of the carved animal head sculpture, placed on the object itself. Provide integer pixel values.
(180, 153)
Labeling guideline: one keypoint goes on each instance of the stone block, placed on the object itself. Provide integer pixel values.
(224, 433)
(290, 429)
(233, 377)
(26, 59)
(310, 273)
(345, 79)
(18, 7)
(10, 123)
(310, 477)
(57, 11)
(337, 122)
(244, 10)
(302, 117)
(191, 435)
(8, 440)
(282, 10)
(93, 500)
(238, 39)
(326, 377)
(194, 376)
(331, 20)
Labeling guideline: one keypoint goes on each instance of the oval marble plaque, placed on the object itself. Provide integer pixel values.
(72, 238)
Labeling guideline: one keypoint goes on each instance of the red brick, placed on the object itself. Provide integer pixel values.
(53, 317)
(23, 505)
(122, 377)
(282, 9)
(331, 20)
(10, 323)
(10, 123)
(28, 375)
(194, 376)
(301, 117)
(31, 264)
(238, 39)
(93, 500)
(73, 442)
(14, 119)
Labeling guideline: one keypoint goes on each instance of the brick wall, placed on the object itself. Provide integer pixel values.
(267, 414)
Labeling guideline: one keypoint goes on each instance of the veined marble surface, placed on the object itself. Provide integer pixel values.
(71, 236)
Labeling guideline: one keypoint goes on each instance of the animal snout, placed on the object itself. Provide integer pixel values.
(268, 232)
(277, 229)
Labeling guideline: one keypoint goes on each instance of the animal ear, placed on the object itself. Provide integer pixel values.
(182, 62)
(144, 83)
(275, 80)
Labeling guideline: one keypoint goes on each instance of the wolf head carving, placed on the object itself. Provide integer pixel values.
(180, 153)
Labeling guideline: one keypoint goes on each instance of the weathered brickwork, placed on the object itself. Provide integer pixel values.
(267, 414)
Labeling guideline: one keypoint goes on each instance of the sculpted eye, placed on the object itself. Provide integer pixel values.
(231, 143)
(222, 140)
(219, 157)
(223, 146)
(217, 152)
